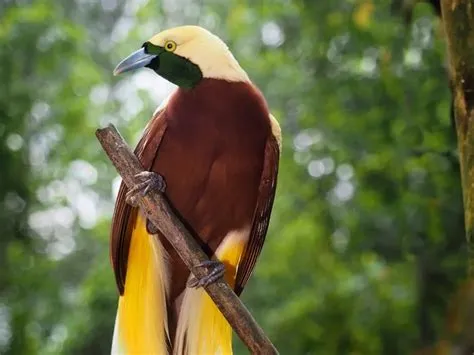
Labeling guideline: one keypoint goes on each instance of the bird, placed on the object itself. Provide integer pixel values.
(213, 149)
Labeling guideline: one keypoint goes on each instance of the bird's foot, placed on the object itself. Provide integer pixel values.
(216, 270)
(148, 181)
(150, 227)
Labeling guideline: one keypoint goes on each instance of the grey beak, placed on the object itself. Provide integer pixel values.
(137, 59)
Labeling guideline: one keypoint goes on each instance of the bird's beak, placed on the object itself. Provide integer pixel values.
(135, 60)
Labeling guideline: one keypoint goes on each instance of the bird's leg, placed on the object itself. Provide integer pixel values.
(148, 181)
(216, 270)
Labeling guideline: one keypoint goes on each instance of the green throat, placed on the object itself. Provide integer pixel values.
(174, 68)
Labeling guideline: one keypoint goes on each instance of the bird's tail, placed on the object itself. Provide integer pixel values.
(202, 329)
(141, 326)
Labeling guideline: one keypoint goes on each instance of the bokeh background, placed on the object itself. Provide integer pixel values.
(366, 249)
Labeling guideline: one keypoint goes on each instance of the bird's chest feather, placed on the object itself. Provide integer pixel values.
(212, 158)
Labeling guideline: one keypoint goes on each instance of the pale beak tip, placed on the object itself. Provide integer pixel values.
(117, 71)
(137, 59)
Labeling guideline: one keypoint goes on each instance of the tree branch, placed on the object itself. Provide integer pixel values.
(458, 19)
(160, 214)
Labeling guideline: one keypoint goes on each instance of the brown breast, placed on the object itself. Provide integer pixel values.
(212, 157)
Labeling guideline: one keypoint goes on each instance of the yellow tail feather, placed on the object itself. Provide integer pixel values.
(202, 329)
(142, 316)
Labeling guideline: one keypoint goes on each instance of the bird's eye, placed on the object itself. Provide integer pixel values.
(170, 46)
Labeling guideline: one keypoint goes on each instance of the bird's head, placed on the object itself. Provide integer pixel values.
(184, 55)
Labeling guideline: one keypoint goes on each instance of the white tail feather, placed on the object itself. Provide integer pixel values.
(117, 349)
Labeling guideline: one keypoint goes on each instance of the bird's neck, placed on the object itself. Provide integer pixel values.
(218, 106)
(215, 95)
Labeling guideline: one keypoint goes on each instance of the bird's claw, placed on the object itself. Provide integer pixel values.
(216, 270)
(150, 227)
(149, 181)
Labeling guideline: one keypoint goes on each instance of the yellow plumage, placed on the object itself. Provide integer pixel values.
(202, 329)
(142, 317)
(141, 325)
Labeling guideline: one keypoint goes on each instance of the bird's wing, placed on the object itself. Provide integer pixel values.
(261, 219)
(124, 216)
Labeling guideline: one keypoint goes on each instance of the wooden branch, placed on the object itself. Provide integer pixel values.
(160, 214)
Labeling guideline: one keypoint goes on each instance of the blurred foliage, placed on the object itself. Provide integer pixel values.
(366, 245)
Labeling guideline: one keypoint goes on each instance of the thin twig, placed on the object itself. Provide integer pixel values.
(160, 214)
